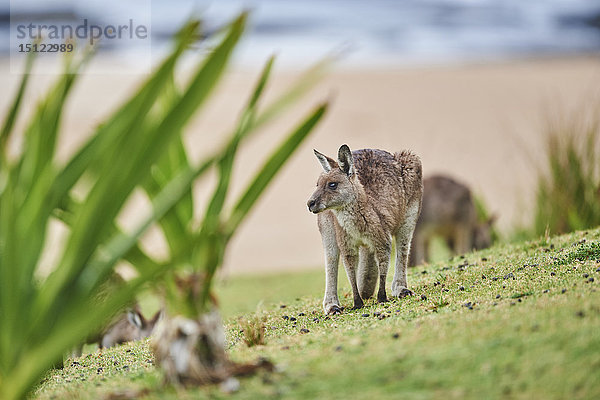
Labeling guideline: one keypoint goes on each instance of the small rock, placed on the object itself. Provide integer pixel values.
(376, 314)
(423, 297)
(598, 269)
(580, 314)
(563, 291)
(382, 316)
(396, 335)
(424, 272)
(552, 273)
(591, 280)
(461, 288)
(498, 296)
(301, 314)
(365, 315)
(292, 319)
(304, 330)
(545, 291)
(483, 259)
(467, 304)
(338, 348)
(282, 306)
(586, 275)
(519, 300)
(285, 317)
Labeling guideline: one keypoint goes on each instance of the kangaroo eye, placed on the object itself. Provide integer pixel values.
(332, 185)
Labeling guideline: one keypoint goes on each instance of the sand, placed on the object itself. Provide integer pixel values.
(481, 124)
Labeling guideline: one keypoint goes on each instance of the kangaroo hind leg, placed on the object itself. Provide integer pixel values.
(403, 239)
(367, 273)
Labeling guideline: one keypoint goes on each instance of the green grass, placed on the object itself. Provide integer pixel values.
(568, 184)
(512, 321)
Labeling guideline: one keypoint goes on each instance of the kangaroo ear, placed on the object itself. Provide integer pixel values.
(345, 160)
(156, 317)
(327, 163)
(490, 221)
(135, 318)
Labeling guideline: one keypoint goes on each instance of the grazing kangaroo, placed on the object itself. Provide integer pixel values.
(449, 212)
(363, 201)
(128, 326)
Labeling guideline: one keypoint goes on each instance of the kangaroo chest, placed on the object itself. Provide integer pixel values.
(356, 229)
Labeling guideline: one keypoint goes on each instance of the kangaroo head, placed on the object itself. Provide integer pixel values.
(141, 326)
(482, 233)
(336, 185)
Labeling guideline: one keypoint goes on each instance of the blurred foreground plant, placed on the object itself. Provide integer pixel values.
(42, 318)
(568, 187)
(190, 344)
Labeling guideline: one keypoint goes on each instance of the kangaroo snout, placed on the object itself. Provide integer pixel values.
(315, 206)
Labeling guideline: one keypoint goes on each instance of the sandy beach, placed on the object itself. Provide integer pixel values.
(479, 123)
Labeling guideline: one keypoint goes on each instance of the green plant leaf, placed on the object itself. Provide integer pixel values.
(124, 173)
(13, 112)
(270, 168)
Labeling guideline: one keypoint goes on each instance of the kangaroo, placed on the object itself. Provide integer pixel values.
(363, 201)
(126, 327)
(449, 212)
(129, 327)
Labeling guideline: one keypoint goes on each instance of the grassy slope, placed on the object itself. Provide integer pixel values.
(514, 321)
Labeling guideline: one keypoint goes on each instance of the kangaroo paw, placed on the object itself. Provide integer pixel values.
(358, 303)
(405, 292)
(335, 310)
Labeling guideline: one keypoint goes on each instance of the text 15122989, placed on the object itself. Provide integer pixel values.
(45, 48)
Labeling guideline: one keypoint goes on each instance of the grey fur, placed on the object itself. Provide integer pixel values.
(449, 212)
(126, 327)
(364, 200)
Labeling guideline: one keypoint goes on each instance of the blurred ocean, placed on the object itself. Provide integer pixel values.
(370, 32)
